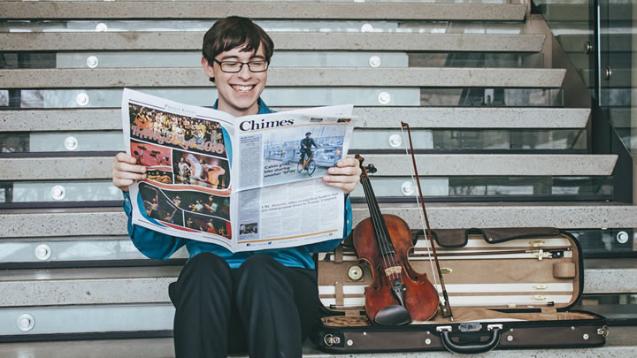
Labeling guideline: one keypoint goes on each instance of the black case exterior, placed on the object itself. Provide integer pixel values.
(469, 337)
(465, 337)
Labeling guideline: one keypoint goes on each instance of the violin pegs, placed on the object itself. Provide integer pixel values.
(371, 168)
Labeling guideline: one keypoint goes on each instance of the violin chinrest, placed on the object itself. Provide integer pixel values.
(393, 315)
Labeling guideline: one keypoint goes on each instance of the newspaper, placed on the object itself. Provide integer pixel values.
(236, 182)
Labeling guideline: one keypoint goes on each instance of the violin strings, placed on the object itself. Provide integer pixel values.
(379, 226)
(421, 215)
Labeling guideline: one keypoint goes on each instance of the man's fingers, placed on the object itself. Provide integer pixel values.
(347, 162)
(129, 175)
(124, 167)
(126, 171)
(340, 179)
(347, 171)
(122, 183)
(123, 157)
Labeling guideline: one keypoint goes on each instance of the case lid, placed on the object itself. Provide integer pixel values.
(492, 268)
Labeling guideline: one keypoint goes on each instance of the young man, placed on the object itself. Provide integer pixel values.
(263, 302)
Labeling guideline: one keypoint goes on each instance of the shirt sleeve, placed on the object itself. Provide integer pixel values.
(330, 245)
(152, 244)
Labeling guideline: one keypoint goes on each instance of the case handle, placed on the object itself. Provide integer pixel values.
(470, 348)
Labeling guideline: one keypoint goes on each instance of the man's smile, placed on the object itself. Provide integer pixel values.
(243, 88)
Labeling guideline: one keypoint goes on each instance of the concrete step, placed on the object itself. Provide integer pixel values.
(304, 77)
(285, 41)
(47, 223)
(366, 117)
(75, 168)
(142, 285)
(262, 10)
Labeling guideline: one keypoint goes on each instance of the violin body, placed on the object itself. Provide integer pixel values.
(420, 298)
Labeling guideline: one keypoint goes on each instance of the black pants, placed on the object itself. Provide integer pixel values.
(263, 308)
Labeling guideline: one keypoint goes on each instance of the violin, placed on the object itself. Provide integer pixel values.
(398, 294)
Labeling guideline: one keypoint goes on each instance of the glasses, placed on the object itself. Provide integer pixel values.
(236, 66)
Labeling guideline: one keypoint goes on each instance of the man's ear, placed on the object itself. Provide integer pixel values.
(207, 68)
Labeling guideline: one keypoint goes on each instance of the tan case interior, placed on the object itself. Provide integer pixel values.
(530, 278)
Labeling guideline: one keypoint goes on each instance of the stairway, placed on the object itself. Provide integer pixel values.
(501, 121)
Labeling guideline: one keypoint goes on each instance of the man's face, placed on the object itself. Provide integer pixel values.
(238, 92)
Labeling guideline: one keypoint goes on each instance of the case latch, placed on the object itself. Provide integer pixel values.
(469, 327)
(541, 254)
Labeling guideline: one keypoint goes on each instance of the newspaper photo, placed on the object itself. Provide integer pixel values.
(244, 183)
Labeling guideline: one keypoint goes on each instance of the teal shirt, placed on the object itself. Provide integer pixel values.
(160, 246)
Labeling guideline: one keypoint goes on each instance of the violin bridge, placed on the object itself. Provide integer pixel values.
(393, 270)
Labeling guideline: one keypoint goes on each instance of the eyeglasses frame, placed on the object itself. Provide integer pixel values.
(241, 67)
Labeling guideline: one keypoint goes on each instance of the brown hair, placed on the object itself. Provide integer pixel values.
(232, 32)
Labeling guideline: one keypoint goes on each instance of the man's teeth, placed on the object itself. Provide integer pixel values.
(243, 88)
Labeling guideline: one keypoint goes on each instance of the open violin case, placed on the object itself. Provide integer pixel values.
(508, 289)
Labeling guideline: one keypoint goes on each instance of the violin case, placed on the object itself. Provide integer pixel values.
(508, 289)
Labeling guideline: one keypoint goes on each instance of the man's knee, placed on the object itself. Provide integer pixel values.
(206, 261)
(205, 266)
(259, 270)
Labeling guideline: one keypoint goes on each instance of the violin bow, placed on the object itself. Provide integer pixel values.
(445, 307)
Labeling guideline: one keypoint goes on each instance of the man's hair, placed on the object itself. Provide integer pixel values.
(232, 32)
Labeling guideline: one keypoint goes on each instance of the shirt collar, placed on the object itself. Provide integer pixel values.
(263, 108)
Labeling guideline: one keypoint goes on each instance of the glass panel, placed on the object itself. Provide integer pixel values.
(148, 59)
(397, 188)
(475, 59)
(620, 299)
(466, 139)
(494, 188)
(491, 97)
(618, 97)
(14, 142)
(72, 250)
(604, 242)
(76, 141)
(275, 96)
(463, 27)
(363, 139)
(56, 191)
(617, 60)
(191, 25)
(561, 139)
(454, 27)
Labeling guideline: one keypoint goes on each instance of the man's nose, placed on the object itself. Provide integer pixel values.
(245, 73)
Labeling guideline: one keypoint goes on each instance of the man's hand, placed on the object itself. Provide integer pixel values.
(126, 172)
(345, 175)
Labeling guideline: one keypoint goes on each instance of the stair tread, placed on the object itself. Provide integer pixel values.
(505, 41)
(286, 77)
(367, 117)
(264, 10)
